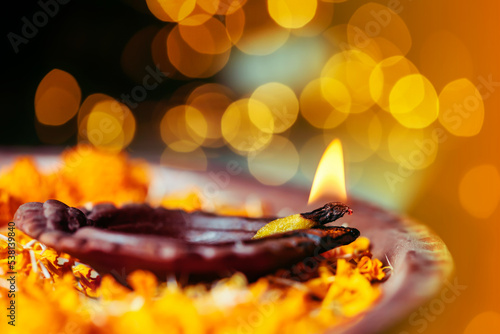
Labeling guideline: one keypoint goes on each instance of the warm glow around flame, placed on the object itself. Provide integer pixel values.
(329, 181)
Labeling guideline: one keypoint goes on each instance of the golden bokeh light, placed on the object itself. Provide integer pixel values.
(276, 164)
(183, 128)
(329, 180)
(479, 191)
(281, 101)
(413, 101)
(191, 63)
(352, 68)
(413, 149)
(385, 75)
(105, 123)
(319, 23)
(128, 127)
(407, 94)
(337, 94)
(461, 108)
(209, 37)
(235, 25)
(261, 35)
(321, 112)
(261, 116)
(292, 14)
(372, 21)
(211, 100)
(88, 104)
(111, 128)
(171, 11)
(247, 125)
(57, 98)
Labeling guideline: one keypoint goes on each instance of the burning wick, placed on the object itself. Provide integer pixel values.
(321, 216)
(329, 180)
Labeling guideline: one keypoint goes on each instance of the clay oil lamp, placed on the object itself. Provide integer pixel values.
(205, 246)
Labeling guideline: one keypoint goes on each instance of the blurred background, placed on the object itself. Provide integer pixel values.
(410, 87)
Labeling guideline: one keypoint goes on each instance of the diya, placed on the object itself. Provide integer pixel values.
(197, 244)
(205, 246)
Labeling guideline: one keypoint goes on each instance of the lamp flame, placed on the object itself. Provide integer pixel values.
(329, 180)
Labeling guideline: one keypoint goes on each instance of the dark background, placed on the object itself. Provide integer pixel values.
(85, 39)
